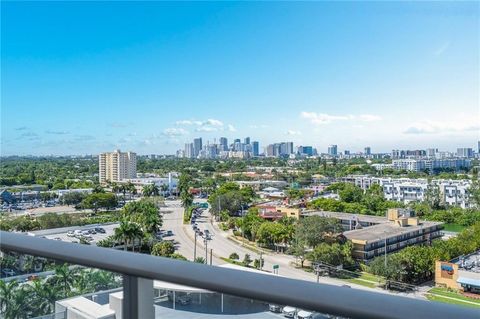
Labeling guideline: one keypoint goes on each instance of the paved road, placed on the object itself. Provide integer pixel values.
(223, 246)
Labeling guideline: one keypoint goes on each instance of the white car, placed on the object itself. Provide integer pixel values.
(77, 232)
(289, 312)
(70, 233)
(302, 314)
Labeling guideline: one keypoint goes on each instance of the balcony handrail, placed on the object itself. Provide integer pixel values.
(342, 301)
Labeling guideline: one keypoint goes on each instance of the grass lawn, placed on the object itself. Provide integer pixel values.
(454, 227)
(368, 284)
(366, 279)
(231, 261)
(367, 276)
(443, 295)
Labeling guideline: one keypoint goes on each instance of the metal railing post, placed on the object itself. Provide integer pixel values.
(137, 298)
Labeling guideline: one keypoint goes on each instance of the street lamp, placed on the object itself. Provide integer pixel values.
(205, 241)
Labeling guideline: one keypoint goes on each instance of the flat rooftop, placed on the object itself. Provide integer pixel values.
(469, 262)
(348, 216)
(389, 230)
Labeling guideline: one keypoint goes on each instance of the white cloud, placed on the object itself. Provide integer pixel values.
(322, 118)
(213, 122)
(174, 131)
(369, 117)
(188, 122)
(56, 132)
(209, 125)
(293, 132)
(206, 129)
(432, 127)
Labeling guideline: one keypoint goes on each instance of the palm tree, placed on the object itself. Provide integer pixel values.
(131, 189)
(151, 220)
(164, 189)
(146, 190)
(19, 306)
(122, 233)
(102, 280)
(186, 198)
(83, 284)
(7, 292)
(64, 277)
(135, 233)
(150, 190)
(155, 190)
(43, 296)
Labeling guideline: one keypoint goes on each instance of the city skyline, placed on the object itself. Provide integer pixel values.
(389, 75)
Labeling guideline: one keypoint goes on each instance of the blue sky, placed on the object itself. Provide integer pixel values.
(85, 77)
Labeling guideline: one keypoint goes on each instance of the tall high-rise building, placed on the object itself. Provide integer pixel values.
(246, 140)
(255, 148)
(367, 151)
(289, 148)
(431, 152)
(223, 144)
(197, 146)
(465, 152)
(332, 150)
(189, 150)
(305, 150)
(117, 166)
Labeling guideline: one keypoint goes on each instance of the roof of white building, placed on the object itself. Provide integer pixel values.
(90, 308)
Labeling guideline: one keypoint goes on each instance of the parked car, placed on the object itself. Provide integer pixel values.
(100, 230)
(275, 308)
(70, 233)
(302, 314)
(168, 233)
(85, 232)
(57, 238)
(200, 233)
(289, 312)
(92, 231)
(77, 232)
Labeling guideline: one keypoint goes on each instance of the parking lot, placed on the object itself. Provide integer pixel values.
(62, 233)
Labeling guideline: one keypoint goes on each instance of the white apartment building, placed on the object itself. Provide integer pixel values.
(406, 190)
(116, 166)
(416, 165)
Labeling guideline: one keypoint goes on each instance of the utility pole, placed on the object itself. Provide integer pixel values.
(261, 261)
(195, 248)
(243, 226)
(206, 249)
(211, 254)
